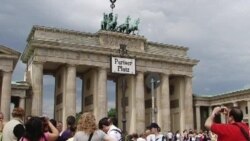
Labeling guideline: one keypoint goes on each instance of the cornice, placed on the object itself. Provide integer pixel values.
(57, 30)
(9, 51)
(167, 45)
(108, 51)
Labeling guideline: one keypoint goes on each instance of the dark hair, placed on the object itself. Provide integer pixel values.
(34, 129)
(53, 121)
(236, 113)
(71, 123)
(103, 121)
(113, 120)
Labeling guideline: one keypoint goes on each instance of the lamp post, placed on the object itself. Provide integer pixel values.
(123, 51)
(152, 82)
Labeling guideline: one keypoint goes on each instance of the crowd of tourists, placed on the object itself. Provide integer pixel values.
(35, 128)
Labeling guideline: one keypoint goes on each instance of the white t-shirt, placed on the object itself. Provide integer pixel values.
(112, 132)
(98, 135)
(153, 137)
(140, 139)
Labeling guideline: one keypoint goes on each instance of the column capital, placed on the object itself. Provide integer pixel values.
(38, 62)
(71, 65)
(188, 76)
(140, 72)
(7, 71)
(164, 74)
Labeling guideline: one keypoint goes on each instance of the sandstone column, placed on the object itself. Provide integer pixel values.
(6, 95)
(210, 109)
(165, 104)
(37, 88)
(182, 108)
(140, 104)
(70, 101)
(188, 103)
(22, 102)
(198, 118)
(102, 93)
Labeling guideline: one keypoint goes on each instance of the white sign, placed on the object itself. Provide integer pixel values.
(122, 65)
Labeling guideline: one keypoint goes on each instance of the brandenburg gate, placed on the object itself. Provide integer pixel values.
(67, 54)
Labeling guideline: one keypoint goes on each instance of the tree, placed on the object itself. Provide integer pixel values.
(112, 112)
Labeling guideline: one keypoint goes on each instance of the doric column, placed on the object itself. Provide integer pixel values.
(248, 110)
(198, 117)
(210, 109)
(140, 105)
(6, 95)
(102, 93)
(70, 101)
(165, 104)
(188, 103)
(22, 102)
(37, 88)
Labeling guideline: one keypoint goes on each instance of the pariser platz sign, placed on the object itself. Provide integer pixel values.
(122, 65)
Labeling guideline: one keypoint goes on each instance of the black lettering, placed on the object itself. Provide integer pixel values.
(119, 68)
(116, 60)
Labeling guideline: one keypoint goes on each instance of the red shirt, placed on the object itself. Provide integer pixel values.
(229, 132)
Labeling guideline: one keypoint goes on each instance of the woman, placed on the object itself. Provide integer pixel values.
(34, 130)
(87, 129)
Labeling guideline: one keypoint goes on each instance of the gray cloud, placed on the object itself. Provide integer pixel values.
(216, 32)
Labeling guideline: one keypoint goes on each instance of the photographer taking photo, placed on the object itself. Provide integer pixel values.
(234, 130)
(35, 130)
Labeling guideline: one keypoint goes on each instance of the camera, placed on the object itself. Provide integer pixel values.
(222, 110)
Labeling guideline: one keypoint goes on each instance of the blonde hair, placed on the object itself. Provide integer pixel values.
(87, 123)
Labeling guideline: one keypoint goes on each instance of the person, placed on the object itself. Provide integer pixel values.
(14, 129)
(70, 131)
(170, 136)
(155, 133)
(59, 127)
(34, 130)
(113, 120)
(1, 125)
(234, 130)
(177, 136)
(87, 129)
(142, 137)
(110, 129)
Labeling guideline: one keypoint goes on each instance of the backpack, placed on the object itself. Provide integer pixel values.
(122, 135)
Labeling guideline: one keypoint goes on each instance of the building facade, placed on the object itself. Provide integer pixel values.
(66, 55)
(203, 105)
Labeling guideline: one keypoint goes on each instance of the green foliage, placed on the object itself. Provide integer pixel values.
(112, 112)
(78, 116)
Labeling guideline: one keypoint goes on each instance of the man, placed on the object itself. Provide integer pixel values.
(110, 129)
(14, 129)
(59, 127)
(155, 133)
(235, 130)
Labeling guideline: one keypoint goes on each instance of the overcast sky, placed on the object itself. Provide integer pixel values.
(216, 32)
